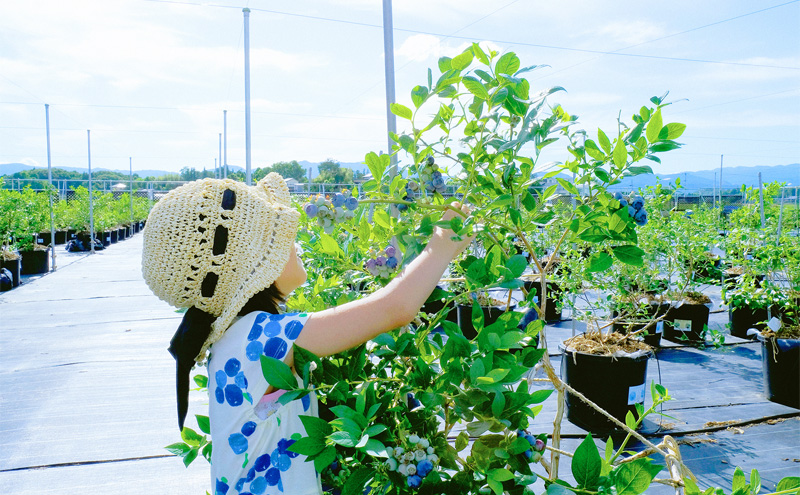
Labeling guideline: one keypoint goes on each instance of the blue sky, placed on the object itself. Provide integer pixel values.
(151, 78)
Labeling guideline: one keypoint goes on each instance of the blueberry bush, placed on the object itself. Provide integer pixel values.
(424, 409)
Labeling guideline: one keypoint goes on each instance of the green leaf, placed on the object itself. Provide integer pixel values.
(343, 411)
(344, 438)
(605, 143)
(739, 479)
(190, 456)
(507, 64)
(445, 64)
(600, 262)
(788, 483)
(755, 481)
(629, 254)
(401, 111)
(329, 245)
(203, 424)
(498, 404)
(325, 458)
(462, 440)
(355, 483)
(586, 464)
(654, 127)
(620, 154)
(475, 87)
(201, 381)
(568, 186)
(462, 61)
(179, 449)
(480, 54)
(593, 151)
(501, 475)
(540, 395)
(516, 265)
(316, 427)
(308, 446)
(633, 478)
(418, 95)
(191, 437)
(671, 131)
(277, 373)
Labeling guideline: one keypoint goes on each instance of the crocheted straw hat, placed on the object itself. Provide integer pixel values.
(213, 244)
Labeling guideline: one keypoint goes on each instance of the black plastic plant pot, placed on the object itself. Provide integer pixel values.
(464, 315)
(654, 331)
(104, 238)
(685, 323)
(554, 293)
(15, 267)
(780, 359)
(61, 237)
(743, 318)
(35, 262)
(614, 383)
(114, 234)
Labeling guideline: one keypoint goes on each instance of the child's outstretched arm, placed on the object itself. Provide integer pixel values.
(337, 329)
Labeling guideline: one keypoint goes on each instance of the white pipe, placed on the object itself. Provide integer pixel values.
(246, 12)
(225, 144)
(91, 205)
(50, 191)
(388, 49)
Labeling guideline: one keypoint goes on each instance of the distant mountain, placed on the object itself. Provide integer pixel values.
(732, 177)
(13, 168)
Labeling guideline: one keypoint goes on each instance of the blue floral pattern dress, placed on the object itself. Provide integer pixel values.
(250, 453)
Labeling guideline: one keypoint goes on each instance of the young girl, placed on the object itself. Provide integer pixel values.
(226, 251)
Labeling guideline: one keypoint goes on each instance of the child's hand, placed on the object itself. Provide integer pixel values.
(442, 238)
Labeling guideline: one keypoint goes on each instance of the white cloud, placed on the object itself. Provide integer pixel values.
(630, 32)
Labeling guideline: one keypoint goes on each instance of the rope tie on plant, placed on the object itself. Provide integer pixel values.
(677, 469)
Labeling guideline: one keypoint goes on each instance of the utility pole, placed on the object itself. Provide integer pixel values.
(218, 174)
(246, 12)
(91, 205)
(50, 191)
(388, 50)
(225, 145)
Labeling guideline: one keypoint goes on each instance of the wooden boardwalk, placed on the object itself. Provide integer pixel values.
(87, 391)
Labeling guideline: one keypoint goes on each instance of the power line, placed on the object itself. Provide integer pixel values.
(737, 101)
(510, 42)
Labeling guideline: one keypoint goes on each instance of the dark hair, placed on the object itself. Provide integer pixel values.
(267, 300)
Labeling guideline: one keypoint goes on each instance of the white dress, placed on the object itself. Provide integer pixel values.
(251, 435)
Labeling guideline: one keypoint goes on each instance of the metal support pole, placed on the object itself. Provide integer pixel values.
(247, 176)
(91, 204)
(388, 49)
(780, 216)
(50, 190)
(225, 144)
(218, 173)
(761, 199)
(720, 181)
(130, 176)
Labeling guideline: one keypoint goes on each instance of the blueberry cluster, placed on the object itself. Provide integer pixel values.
(635, 207)
(384, 264)
(537, 446)
(339, 474)
(414, 463)
(331, 210)
(411, 189)
(431, 177)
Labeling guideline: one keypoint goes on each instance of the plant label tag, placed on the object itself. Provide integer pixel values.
(774, 324)
(636, 394)
(682, 325)
(660, 327)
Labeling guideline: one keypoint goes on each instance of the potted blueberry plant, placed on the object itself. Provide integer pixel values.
(481, 117)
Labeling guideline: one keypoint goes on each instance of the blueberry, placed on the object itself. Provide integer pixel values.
(414, 481)
(311, 210)
(528, 454)
(424, 467)
(631, 211)
(338, 200)
(638, 202)
(530, 316)
(391, 262)
(641, 217)
(390, 251)
(351, 203)
(430, 161)
(618, 196)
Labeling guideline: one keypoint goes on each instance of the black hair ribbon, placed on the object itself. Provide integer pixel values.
(184, 347)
